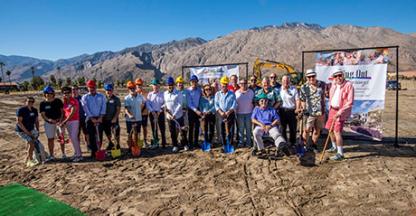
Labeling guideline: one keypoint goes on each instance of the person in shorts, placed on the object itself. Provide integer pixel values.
(312, 97)
(341, 99)
(27, 128)
(51, 110)
(145, 113)
(133, 104)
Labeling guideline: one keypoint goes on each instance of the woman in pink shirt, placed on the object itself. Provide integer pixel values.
(245, 98)
(341, 98)
(71, 121)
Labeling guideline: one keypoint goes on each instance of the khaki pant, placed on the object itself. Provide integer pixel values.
(274, 133)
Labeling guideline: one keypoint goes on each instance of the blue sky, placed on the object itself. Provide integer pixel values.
(53, 29)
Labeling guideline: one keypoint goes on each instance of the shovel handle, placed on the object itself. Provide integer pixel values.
(327, 139)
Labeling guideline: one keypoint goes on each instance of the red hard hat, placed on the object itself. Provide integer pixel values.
(91, 83)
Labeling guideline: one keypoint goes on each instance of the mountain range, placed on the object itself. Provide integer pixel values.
(283, 43)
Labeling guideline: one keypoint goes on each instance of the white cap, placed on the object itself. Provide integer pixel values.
(338, 71)
(310, 72)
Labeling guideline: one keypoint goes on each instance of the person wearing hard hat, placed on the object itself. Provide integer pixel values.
(110, 120)
(225, 106)
(154, 104)
(133, 104)
(266, 120)
(94, 104)
(145, 113)
(341, 99)
(312, 97)
(174, 113)
(180, 87)
(51, 110)
(194, 95)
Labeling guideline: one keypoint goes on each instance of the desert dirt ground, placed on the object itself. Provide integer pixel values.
(376, 178)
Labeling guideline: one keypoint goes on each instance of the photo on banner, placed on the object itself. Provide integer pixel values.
(213, 74)
(367, 70)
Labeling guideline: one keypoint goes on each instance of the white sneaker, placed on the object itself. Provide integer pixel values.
(50, 158)
(31, 163)
(77, 159)
(186, 148)
(175, 149)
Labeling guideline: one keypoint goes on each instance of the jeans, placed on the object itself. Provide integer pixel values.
(244, 126)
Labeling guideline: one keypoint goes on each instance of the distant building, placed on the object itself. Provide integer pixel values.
(8, 86)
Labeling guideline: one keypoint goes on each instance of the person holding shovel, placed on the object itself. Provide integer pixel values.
(133, 104)
(110, 120)
(180, 87)
(154, 104)
(94, 105)
(51, 110)
(312, 97)
(145, 113)
(207, 107)
(225, 105)
(341, 98)
(194, 95)
(174, 113)
(71, 122)
(27, 128)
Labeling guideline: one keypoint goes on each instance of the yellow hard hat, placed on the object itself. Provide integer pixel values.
(179, 79)
(224, 80)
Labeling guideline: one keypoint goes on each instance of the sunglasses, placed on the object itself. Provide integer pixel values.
(207, 89)
(272, 77)
(338, 75)
(310, 77)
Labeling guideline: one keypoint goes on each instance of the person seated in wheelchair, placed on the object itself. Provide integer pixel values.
(266, 121)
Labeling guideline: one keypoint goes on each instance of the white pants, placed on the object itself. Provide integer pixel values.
(274, 133)
(73, 128)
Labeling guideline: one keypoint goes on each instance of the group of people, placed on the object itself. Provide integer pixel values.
(235, 112)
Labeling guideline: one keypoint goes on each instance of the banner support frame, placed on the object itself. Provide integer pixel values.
(396, 138)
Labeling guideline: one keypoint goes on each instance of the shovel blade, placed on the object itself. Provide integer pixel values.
(115, 153)
(135, 151)
(100, 155)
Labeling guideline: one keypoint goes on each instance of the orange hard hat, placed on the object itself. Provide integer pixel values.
(139, 81)
(130, 84)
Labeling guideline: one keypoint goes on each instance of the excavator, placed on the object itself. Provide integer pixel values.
(296, 77)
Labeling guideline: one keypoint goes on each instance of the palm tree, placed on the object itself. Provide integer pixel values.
(8, 73)
(1, 68)
(33, 71)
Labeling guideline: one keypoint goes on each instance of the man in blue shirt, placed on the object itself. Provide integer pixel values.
(266, 121)
(94, 105)
(194, 95)
(225, 105)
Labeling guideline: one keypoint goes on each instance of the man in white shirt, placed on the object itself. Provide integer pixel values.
(290, 105)
(174, 113)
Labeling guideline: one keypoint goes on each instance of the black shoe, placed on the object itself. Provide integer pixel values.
(286, 151)
(110, 146)
(118, 146)
(253, 152)
(315, 148)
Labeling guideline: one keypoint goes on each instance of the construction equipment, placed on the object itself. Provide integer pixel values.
(296, 77)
